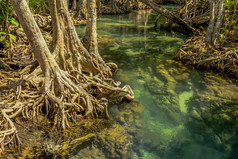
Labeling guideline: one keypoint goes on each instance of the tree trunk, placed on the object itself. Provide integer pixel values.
(65, 39)
(126, 5)
(74, 84)
(74, 5)
(113, 5)
(68, 49)
(41, 51)
(90, 39)
(169, 15)
(216, 16)
(81, 10)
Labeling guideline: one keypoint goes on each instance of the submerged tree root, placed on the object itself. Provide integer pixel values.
(198, 53)
(63, 99)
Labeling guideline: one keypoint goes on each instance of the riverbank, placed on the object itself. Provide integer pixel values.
(201, 55)
(129, 6)
(221, 57)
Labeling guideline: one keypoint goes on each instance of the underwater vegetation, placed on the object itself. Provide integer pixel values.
(183, 110)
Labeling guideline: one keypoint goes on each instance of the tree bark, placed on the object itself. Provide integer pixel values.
(41, 51)
(68, 49)
(216, 16)
(169, 15)
(74, 5)
(90, 39)
(126, 5)
(113, 5)
(81, 10)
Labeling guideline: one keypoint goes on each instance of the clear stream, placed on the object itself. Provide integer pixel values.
(188, 114)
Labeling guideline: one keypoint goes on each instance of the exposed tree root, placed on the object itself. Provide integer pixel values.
(169, 2)
(195, 14)
(42, 21)
(122, 6)
(198, 53)
(72, 82)
(66, 98)
(4, 66)
(8, 133)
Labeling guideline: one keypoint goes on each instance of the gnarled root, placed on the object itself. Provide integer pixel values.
(8, 133)
(198, 53)
(70, 97)
(63, 97)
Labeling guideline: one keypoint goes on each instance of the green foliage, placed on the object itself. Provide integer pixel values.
(6, 19)
(231, 7)
(7, 39)
(231, 4)
(39, 7)
(231, 24)
(13, 21)
(6, 9)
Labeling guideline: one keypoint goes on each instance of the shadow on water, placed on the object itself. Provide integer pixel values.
(187, 114)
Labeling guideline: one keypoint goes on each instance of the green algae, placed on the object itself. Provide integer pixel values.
(137, 92)
(116, 141)
(131, 52)
(172, 132)
(183, 97)
(66, 147)
(141, 81)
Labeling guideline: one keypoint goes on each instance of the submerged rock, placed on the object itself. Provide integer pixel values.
(90, 151)
(113, 142)
(129, 115)
(116, 142)
(215, 107)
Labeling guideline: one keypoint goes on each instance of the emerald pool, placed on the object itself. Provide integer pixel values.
(187, 114)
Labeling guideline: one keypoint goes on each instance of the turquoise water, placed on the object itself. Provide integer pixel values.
(187, 114)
